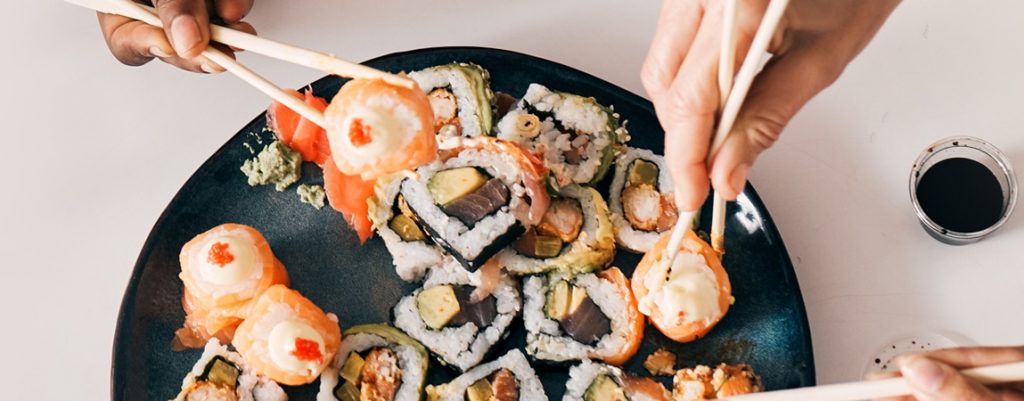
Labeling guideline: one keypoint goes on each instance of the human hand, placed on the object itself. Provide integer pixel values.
(935, 376)
(813, 44)
(183, 38)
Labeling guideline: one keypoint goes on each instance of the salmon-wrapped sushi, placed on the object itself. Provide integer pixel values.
(222, 375)
(287, 337)
(224, 270)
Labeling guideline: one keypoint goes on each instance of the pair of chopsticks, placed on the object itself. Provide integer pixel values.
(732, 98)
(866, 390)
(242, 40)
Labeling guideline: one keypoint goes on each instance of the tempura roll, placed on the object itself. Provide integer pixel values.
(509, 378)
(461, 98)
(591, 381)
(642, 199)
(222, 375)
(375, 362)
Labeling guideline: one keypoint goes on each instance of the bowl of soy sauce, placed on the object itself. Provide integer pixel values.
(963, 189)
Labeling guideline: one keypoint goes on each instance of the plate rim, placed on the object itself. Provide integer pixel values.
(127, 309)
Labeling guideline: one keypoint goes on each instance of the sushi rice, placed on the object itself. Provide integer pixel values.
(464, 346)
(561, 116)
(545, 338)
(411, 258)
(412, 359)
(592, 250)
(529, 385)
(470, 84)
(251, 387)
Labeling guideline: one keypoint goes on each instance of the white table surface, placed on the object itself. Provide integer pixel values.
(93, 151)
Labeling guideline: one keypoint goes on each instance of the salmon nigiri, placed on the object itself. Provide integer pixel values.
(224, 270)
(375, 128)
(288, 338)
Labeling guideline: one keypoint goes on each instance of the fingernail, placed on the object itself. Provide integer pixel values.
(738, 179)
(157, 51)
(208, 68)
(184, 34)
(924, 375)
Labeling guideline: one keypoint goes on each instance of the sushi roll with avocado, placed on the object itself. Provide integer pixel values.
(573, 135)
(588, 316)
(444, 316)
(476, 198)
(461, 98)
(412, 252)
(378, 362)
(575, 236)
(509, 378)
(641, 199)
(222, 375)
(590, 381)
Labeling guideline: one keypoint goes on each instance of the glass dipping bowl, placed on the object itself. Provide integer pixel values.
(969, 148)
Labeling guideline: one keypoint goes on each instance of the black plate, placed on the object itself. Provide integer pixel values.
(767, 327)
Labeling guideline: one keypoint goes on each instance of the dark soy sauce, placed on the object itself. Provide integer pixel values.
(961, 195)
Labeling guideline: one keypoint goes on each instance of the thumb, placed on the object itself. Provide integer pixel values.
(934, 381)
(787, 82)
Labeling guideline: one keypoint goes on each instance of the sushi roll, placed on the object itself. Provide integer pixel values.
(574, 236)
(579, 317)
(222, 375)
(378, 362)
(223, 270)
(590, 381)
(641, 199)
(287, 337)
(686, 299)
(704, 383)
(574, 135)
(476, 198)
(412, 252)
(509, 378)
(461, 98)
(446, 319)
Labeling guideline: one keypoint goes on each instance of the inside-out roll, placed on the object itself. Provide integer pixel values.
(590, 381)
(222, 375)
(412, 251)
(509, 378)
(641, 199)
(591, 316)
(456, 328)
(575, 236)
(377, 360)
(575, 136)
(461, 98)
(476, 198)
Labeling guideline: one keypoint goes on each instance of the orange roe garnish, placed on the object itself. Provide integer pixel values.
(307, 350)
(220, 255)
(358, 133)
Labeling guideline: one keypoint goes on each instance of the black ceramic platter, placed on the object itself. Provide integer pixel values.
(767, 326)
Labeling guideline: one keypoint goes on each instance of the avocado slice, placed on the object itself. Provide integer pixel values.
(450, 185)
(346, 391)
(353, 366)
(604, 388)
(557, 305)
(221, 372)
(480, 391)
(643, 172)
(437, 305)
(406, 228)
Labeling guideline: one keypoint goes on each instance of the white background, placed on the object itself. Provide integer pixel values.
(92, 152)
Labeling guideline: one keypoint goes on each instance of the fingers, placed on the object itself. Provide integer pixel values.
(187, 24)
(677, 25)
(779, 92)
(932, 380)
(133, 42)
(962, 358)
(232, 11)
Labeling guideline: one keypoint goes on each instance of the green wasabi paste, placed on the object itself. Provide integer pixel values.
(276, 164)
(311, 194)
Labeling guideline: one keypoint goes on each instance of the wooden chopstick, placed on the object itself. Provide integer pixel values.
(745, 77)
(726, 60)
(145, 14)
(259, 45)
(865, 390)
